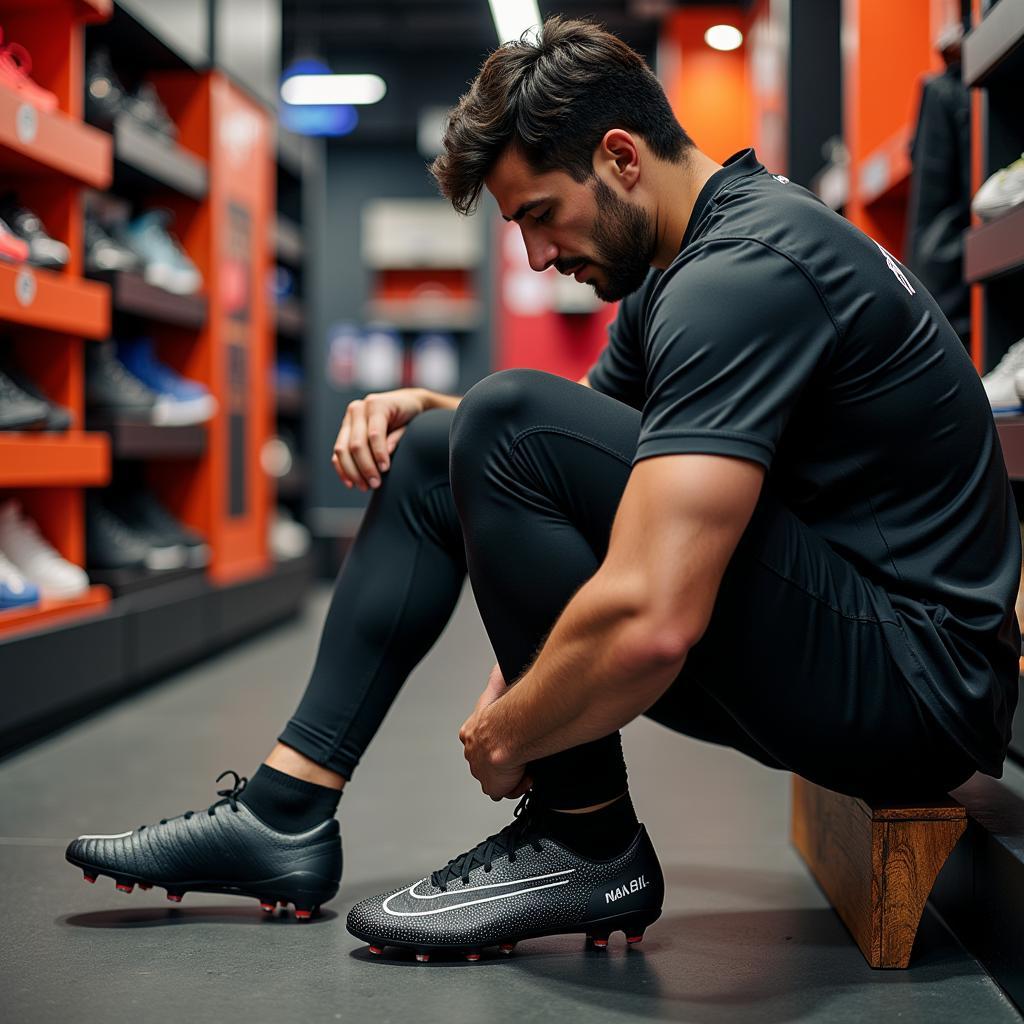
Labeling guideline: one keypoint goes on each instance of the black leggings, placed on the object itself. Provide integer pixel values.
(520, 485)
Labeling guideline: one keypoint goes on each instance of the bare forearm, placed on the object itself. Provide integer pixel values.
(601, 667)
(435, 400)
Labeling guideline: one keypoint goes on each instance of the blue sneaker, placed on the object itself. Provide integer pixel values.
(166, 264)
(15, 590)
(180, 401)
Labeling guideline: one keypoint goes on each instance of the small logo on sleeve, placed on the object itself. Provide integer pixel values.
(897, 270)
(626, 890)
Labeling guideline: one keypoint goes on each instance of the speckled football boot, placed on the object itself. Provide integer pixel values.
(517, 884)
(224, 849)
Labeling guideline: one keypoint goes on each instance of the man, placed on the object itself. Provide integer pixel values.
(775, 517)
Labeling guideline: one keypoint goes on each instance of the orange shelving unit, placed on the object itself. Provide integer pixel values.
(887, 49)
(47, 317)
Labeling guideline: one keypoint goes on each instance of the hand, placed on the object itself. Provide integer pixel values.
(497, 779)
(370, 431)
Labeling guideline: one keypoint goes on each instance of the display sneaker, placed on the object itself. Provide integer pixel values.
(166, 264)
(111, 389)
(1000, 382)
(111, 543)
(517, 884)
(180, 401)
(58, 418)
(105, 96)
(36, 558)
(148, 109)
(43, 251)
(15, 590)
(15, 71)
(1001, 192)
(142, 512)
(104, 254)
(224, 849)
(18, 410)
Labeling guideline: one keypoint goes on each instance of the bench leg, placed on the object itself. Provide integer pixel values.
(876, 867)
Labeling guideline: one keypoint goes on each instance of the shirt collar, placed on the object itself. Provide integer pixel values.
(739, 165)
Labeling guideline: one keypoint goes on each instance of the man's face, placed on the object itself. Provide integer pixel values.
(580, 228)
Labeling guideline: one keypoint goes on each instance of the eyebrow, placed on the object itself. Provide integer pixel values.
(526, 208)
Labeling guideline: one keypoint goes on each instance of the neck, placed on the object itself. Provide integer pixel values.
(677, 190)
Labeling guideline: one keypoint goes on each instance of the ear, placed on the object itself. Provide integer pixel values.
(618, 158)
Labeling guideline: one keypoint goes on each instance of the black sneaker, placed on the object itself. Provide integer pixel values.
(18, 410)
(141, 511)
(517, 884)
(148, 109)
(224, 849)
(43, 251)
(111, 543)
(57, 417)
(111, 389)
(104, 254)
(105, 96)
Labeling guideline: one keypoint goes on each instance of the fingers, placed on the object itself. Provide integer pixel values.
(342, 458)
(393, 438)
(359, 447)
(377, 435)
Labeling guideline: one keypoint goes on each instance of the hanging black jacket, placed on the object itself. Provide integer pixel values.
(940, 195)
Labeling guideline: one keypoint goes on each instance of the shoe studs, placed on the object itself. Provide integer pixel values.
(377, 950)
(145, 886)
(175, 897)
(634, 939)
(472, 957)
(305, 914)
(267, 907)
(88, 877)
(125, 886)
(507, 947)
(423, 958)
(598, 941)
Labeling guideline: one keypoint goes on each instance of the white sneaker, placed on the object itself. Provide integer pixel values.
(1001, 192)
(1001, 382)
(288, 539)
(15, 590)
(37, 561)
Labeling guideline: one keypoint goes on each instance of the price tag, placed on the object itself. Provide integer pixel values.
(26, 123)
(25, 287)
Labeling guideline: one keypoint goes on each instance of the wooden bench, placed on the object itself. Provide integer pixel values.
(876, 864)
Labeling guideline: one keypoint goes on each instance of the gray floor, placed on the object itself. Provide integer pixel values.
(746, 936)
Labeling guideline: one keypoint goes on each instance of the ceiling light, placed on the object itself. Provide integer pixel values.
(723, 37)
(319, 90)
(513, 17)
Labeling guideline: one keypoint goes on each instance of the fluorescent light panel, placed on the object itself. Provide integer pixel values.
(333, 90)
(723, 37)
(513, 17)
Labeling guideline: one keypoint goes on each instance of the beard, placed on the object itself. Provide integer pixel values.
(625, 243)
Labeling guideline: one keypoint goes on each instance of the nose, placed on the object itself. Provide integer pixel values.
(540, 252)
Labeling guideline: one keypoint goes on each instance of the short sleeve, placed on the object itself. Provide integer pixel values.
(619, 370)
(734, 336)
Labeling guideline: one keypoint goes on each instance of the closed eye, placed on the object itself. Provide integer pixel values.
(545, 216)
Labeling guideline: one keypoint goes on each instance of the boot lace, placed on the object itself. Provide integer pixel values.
(512, 837)
(230, 796)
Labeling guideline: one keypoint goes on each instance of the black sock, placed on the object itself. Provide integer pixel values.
(286, 803)
(595, 834)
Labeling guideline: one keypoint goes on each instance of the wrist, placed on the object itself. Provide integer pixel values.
(435, 400)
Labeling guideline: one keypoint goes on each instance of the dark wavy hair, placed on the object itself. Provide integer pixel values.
(553, 97)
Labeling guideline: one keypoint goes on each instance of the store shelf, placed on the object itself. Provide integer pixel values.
(1011, 439)
(76, 665)
(426, 314)
(885, 173)
(994, 50)
(53, 301)
(51, 612)
(38, 141)
(124, 582)
(132, 294)
(290, 319)
(135, 440)
(145, 157)
(286, 236)
(54, 460)
(995, 248)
